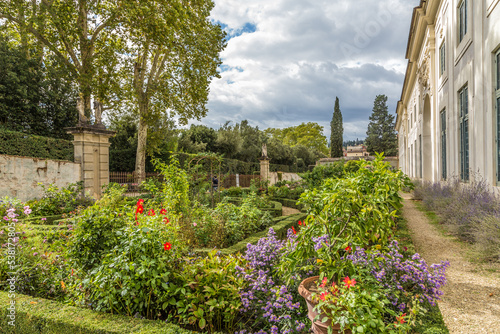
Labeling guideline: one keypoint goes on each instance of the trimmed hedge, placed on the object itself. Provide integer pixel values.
(290, 203)
(50, 220)
(281, 226)
(42, 316)
(21, 144)
(275, 208)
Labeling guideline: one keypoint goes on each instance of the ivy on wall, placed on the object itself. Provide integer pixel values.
(21, 144)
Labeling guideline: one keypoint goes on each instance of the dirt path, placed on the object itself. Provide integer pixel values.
(471, 300)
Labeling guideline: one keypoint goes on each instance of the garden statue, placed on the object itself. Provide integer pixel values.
(82, 119)
(264, 150)
(98, 114)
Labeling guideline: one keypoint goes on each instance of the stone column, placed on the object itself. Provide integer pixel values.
(264, 168)
(91, 144)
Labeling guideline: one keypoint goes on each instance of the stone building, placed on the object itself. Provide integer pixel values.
(356, 151)
(448, 118)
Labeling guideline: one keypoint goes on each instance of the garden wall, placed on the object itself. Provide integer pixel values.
(273, 177)
(19, 176)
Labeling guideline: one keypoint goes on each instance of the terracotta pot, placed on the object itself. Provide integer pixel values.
(306, 289)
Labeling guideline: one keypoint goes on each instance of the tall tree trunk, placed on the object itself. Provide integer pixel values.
(142, 134)
(86, 59)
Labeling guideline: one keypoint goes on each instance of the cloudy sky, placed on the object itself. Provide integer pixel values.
(287, 60)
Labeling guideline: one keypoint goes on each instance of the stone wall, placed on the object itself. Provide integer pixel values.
(273, 177)
(19, 176)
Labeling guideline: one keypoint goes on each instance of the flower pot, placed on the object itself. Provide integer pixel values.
(306, 288)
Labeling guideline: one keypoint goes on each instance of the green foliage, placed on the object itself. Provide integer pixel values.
(355, 211)
(96, 229)
(21, 144)
(308, 134)
(337, 132)
(133, 276)
(36, 96)
(206, 293)
(37, 315)
(241, 221)
(174, 194)
(315, 178)
(57, 201)
(381, 134)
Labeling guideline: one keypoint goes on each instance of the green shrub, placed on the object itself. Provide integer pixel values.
(96, 229)
(315, 177)
(133, 277)
(206, 293)
(57, 201)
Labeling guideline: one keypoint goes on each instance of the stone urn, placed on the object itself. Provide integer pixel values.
(306, 289)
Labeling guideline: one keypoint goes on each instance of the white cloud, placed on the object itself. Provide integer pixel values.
(300, 54)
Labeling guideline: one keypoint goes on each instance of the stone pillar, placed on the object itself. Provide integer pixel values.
(264, 168)
(91, 144)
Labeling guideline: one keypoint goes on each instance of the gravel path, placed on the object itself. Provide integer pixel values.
(471, 300)
(289, 211)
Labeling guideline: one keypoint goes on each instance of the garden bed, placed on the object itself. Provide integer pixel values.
(281, 226)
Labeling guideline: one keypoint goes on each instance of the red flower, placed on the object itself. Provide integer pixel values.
(140, 209)
(348, 248)
(323, 282)
(140, 201)
(151, 212)
(401, 319)
(300, 223)
(349, 282)
(293, 229)
(163, 212)
(167, 246)
(166, 220)
(323, 295)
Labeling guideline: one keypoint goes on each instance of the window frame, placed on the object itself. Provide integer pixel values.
(442, 58)
(442, 115)
(463, 122)
(462, 23)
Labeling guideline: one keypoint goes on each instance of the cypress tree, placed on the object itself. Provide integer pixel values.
(381, 134)
(337, 132)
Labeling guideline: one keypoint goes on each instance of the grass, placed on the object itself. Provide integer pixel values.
(432, 321)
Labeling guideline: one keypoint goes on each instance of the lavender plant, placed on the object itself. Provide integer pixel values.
(470, 211)
(404, 276)
(268, 302)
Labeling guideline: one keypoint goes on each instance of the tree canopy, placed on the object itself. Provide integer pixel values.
(381, 134)
(35, 97)
(337, 132)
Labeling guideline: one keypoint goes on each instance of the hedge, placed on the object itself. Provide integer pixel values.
(49, 220)
(21, 144)
(275, 208)
(290, 203)
(42, 316)
(281, 226)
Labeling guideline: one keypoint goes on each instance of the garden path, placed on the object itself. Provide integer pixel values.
(289, 211)
(471, 300)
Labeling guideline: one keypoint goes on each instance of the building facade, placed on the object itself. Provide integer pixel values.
(448, 118)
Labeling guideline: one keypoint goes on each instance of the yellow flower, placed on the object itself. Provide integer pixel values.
(378, 246)
(63, 285)
(319, 261)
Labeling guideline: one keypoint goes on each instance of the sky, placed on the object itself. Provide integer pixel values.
(286, 61)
